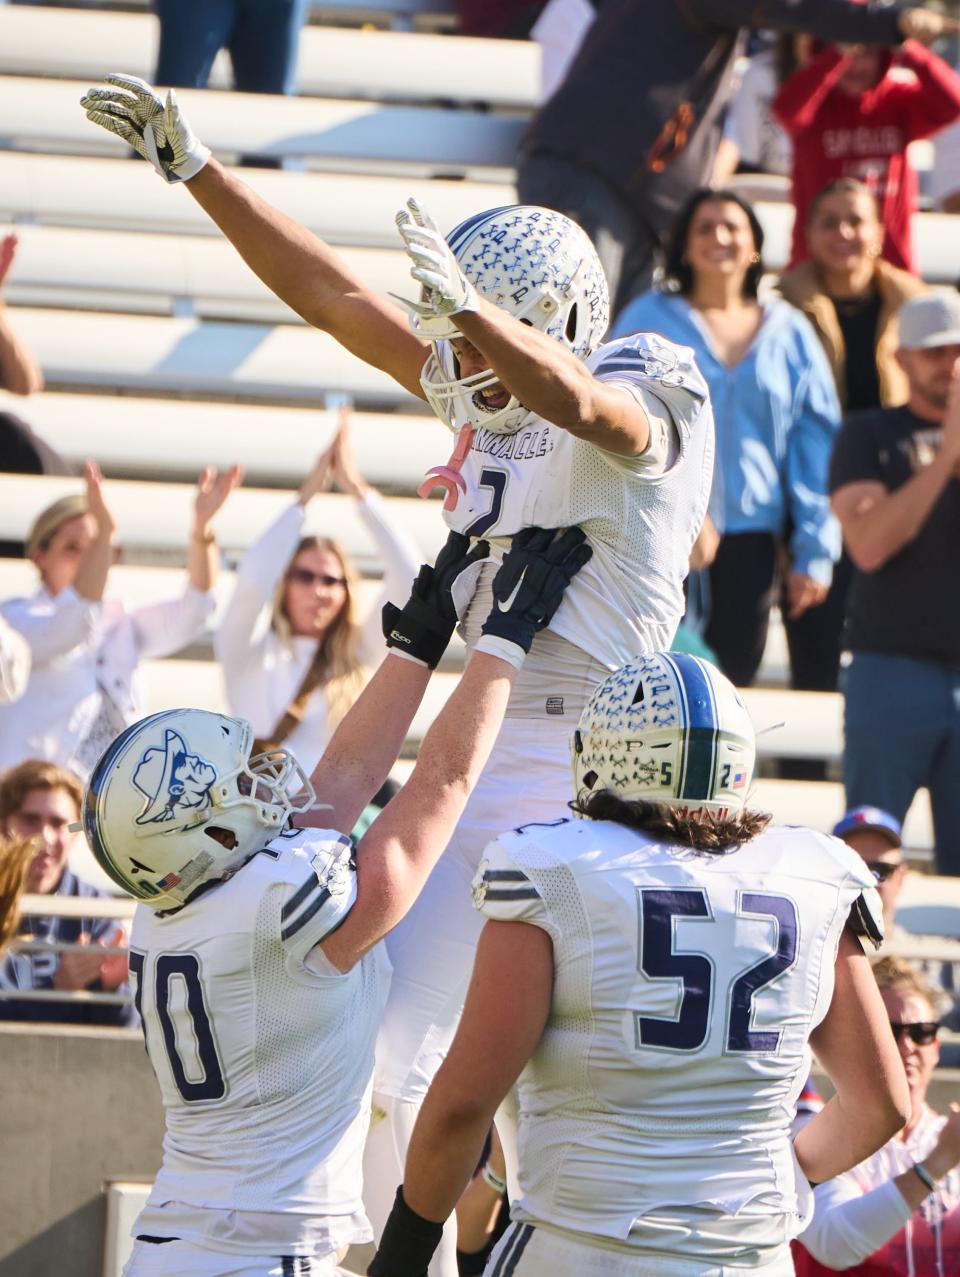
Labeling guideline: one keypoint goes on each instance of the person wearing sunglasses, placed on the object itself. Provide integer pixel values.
(293, 649)
(877, 837)
(898, 1212)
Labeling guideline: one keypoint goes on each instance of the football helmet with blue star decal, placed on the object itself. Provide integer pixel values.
(540, 267)
(177, 801)
(668, 728)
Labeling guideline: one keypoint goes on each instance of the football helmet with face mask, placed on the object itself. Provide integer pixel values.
(173, 790)
(668, 728)
(540, 267)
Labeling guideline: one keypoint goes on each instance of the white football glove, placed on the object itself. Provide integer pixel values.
(446, 290)
(157, 131)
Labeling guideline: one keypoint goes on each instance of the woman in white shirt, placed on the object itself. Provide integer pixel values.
(85, 649)
(293, 652)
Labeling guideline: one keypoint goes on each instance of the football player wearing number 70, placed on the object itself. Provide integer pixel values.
(254, 951)
(504, 340)
(657, 969)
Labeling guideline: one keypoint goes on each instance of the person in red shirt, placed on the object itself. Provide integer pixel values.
(851, 112)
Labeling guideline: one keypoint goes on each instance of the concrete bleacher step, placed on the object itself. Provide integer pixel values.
(334, 63)
(153, 520)
(160, 354)
(175, 438)
(45, 115)
(166, 274)
(123, 194)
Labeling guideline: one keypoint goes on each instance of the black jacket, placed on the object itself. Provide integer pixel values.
(641, 59)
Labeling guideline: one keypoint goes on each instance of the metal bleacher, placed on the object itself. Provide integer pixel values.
(162, 352)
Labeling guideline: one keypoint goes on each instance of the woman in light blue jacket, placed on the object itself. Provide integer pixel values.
(777, 413)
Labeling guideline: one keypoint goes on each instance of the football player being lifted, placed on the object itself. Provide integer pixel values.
(553, 428)
(254, 953)
(658, 970)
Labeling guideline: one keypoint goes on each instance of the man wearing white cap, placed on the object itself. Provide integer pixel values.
(893, 485)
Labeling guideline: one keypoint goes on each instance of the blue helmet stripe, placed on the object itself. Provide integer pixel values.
(460, 234)
(701, 723)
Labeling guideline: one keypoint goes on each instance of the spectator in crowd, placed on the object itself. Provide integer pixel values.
(851, 112)
(15, 856)
(877, 836)
(19, 372)
(85, 649)
(14, 663)
(262, 37)
(777, 415)
(292, 649)
(893, 484)
(634, 127)
(944, 180)
(852, 296)
(897, 1212)
(753, 141)
(39, 802)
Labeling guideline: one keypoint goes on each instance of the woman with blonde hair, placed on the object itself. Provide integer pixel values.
(86, 647)
(293, 651)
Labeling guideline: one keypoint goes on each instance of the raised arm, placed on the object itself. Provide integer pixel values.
(293, 262)
(403, 844)
(537, 370)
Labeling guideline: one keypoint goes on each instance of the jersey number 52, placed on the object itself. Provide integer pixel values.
(659, 960)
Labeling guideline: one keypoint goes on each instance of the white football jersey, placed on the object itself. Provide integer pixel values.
(264, 1055)
(656, 1109)
(641, 525)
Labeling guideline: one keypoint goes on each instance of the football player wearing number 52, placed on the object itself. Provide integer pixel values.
(658, 970)
(504, 340)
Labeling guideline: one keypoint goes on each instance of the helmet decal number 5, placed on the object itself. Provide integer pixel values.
(206, 1081)
(694, 972)
(496, 481)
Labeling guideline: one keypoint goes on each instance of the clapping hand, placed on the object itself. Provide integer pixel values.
(213, 488)
(8, 251)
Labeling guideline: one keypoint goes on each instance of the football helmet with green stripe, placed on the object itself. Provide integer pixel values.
(177, 801)
(668, 728)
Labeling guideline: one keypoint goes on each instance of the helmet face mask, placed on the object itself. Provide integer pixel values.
(166, 783)
(667, 728)
(542, 269)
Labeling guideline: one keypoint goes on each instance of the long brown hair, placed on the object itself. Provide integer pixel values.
(335, 667)
(15, 857)
(699, 829)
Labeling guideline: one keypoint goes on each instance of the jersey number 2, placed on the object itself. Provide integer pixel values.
(695, 971)
(496, 481)
(206, 1082)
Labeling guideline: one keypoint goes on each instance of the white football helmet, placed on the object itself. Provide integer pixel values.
(668, 728)
(540, 267)
(158, 789)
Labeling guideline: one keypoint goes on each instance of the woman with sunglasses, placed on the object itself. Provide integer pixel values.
(898, 1213)
(85, 646)
(293, 652)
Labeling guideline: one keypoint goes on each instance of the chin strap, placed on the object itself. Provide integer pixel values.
(448, 477)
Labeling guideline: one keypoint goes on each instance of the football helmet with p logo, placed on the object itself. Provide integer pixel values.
(540, 267)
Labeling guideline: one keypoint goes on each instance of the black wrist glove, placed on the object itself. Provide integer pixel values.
(407, 1244)
(424, 627)
(530, 584)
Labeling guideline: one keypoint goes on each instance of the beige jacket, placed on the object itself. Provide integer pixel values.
(803, 287)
